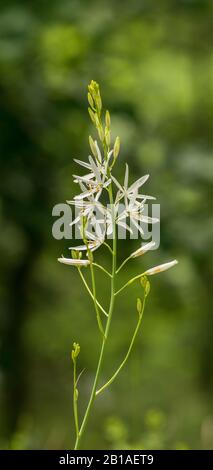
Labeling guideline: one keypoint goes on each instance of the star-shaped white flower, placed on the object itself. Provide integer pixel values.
(127, 193)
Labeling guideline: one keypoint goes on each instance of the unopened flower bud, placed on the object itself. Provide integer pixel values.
(93, 146)
(100, 132)
(116, 148)
(92, 115)
(107, 119)
(90, 100)
(145, 284)
(75, 351)
(107, 136)
(139, 306)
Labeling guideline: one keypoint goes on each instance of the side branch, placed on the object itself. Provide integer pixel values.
(127, 354)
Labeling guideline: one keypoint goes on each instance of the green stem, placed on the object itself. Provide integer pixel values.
(123, 264)
(109, 247)
(104, 339)
(75, 399)
(127, 354)
(95, 301)
(90, 293)
(128, 283)
(102, 269)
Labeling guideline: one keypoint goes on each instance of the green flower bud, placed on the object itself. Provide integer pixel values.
(75, 351)
(139, 306)
(107, 119)
(93, 146)
(145, 284)
(100, 132)
(92, 115)
(90, 100)
(116, 148)
(73, 253)
(107, 136)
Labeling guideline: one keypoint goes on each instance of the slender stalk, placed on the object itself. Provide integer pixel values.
(104, 339)
(127, 354)
(75, 399)
(90, 293)
(102, 269)
(109, 247)
(128, 283)
(95, 301)
(123, 264)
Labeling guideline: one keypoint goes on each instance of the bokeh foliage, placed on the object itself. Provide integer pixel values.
(154, 63)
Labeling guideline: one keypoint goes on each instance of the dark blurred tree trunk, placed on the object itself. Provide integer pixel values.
(13, 353)
(28, 213)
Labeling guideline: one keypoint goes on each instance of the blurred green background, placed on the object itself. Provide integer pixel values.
(154, 63)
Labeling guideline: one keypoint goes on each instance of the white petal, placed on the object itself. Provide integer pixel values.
(145, 196)
(143, 249)
(137, 226)
(86, 194)
(117, 183)
(77, 219)
(161, 267)
(148, 220)
(78, 248)
(107, 183)
(84, 164)
(95, 169)
(74, 262)
(126, 177)
(124, 225)
(138, 183)
(86, 178)
(98, 151)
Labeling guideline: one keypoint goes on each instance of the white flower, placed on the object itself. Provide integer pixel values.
(126, 192)
(160, 268)
(143, 249)
(97, 179)
(89, 209)
(74, 262)
(93, 244)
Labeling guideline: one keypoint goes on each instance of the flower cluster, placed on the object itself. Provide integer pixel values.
(95, 218)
